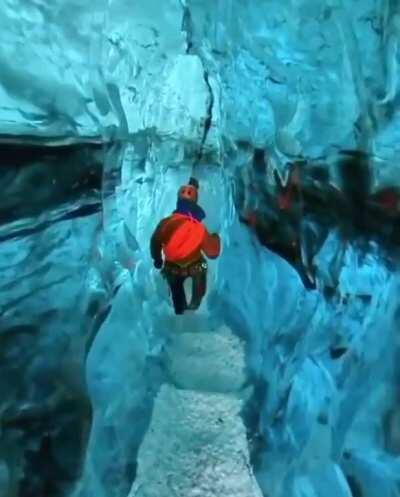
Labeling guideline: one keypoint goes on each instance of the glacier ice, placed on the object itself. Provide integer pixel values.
(285, 383)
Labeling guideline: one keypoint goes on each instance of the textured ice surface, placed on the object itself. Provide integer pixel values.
(213, 362)
(277, 75)
(196, 444)
(202, 82)
(49, 65)
(44, 405)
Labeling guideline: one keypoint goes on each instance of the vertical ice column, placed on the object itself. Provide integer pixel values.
(196, 445)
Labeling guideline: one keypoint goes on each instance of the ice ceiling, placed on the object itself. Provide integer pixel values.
(286, 382)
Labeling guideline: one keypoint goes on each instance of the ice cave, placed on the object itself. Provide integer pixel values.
(285, 381)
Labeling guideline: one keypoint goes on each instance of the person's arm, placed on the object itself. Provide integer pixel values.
(211, 245)
(156, 246)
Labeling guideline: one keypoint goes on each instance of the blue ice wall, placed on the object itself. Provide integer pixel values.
(49, 224)
(192, 87)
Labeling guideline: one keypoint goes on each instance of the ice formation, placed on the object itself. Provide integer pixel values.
(285, 383)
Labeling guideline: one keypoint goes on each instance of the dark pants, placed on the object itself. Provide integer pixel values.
(176, 277)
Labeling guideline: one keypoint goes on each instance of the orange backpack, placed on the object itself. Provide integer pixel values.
(187, 238)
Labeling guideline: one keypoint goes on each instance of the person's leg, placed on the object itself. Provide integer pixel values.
(178, 293)
(199, 288)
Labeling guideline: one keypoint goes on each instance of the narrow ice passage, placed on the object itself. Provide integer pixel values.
(196, 443)
(289, 111)
(159, 384)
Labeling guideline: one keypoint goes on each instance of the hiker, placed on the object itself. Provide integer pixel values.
(183, 240)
